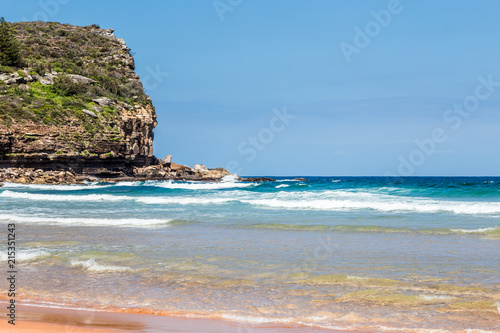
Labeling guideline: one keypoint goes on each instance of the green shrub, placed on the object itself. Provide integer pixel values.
(65, 86)
(9, 46)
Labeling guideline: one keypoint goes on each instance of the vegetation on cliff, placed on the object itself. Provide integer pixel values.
(9, 47)
(71, 106)
(71, 90)
(47, 48)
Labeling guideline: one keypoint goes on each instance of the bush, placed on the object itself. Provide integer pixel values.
(65, 86)
(9, 47)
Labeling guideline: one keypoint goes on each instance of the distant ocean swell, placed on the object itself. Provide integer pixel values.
(323, 200)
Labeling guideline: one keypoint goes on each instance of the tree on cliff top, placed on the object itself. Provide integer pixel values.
(9, 47)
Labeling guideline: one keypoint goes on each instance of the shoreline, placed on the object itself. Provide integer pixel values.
(35, 318)
(70, 177)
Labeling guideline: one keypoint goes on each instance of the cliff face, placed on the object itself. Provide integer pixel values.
(74, 103)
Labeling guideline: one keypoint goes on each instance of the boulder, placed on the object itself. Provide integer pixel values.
(81, 79)
(89, 113)
(167, 159)
(300, 179)
(200, 168)
(47, 79)
(103, 101)
(13, 79)
(150, 172)
(178, 167)
(217, 173)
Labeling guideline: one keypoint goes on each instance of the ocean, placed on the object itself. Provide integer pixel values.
(365, 254)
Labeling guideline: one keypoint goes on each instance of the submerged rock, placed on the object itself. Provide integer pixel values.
(256, 179)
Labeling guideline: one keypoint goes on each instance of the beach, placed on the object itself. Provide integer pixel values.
(338, 254)
(46, 319)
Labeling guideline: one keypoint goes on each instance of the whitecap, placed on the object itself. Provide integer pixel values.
(72, 187)
(203, 186)
(133, 222)
(69, 197)
(26, 255)
(479, 230)
(434, 297)
(92, 266)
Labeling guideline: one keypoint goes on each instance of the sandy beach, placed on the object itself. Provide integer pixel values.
(43, 319)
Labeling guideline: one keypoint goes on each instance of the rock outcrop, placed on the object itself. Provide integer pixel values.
(75, 103)
(74, 108)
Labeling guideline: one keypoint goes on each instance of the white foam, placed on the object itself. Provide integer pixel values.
(341, 200)
(72, 187)
(70, 197)
(203, 186)
(282, 185)
(349, 200)
(434, 297)
(133, 222)
(230, 178)
(183, 200)
(92, 266)
(26, 255)
(255, 319)
(480, 230)
(116, 198)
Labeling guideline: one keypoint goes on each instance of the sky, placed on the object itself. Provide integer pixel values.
(311, 88)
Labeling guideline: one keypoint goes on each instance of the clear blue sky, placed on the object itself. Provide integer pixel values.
(359, 101)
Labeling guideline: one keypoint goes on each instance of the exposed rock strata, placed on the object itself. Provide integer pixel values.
(80, 112)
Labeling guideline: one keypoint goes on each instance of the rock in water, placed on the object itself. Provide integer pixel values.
(256, 179)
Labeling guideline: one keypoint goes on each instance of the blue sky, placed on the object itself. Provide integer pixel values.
(267, 87)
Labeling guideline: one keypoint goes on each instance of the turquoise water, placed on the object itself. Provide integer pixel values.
(361, 253)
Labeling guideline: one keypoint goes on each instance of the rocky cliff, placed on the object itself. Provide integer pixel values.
(71, 106)
(73, 102)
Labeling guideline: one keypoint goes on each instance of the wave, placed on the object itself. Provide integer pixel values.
(133, 222)
(346, 201)
(70, 197)
(92, 266)
(282, 185)
(26, 255)
(202, 186)
(226, 182)
(326, 320)
(115, 198)
(183, 200)
(480, 230)
(72, 187)
(334, 200)
(490, 232)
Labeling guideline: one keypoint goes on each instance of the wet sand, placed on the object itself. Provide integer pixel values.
(41, 319)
